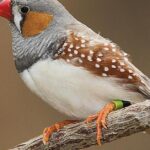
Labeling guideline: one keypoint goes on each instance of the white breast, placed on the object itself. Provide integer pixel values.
(73, 90)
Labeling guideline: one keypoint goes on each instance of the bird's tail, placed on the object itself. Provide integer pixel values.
(144, 86)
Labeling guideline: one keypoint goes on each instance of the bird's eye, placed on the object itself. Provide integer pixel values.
(24, 9)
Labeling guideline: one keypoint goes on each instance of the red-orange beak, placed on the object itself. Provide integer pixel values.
(5, 9)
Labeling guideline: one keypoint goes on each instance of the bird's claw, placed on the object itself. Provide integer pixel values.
(101, 120)
(55, 128)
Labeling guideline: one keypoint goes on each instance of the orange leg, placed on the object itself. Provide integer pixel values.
(55, 128)
(101, 120)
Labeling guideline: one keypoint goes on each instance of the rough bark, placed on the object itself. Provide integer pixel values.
(122, 123)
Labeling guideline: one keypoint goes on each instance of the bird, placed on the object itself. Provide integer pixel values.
(75, 70)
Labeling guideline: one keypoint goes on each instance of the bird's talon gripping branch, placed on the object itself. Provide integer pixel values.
(55, 128)
(102, 115)
(101, 120)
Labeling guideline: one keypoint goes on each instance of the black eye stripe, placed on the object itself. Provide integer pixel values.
(23, 10)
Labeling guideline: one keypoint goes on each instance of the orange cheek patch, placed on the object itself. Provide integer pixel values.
(35, 23)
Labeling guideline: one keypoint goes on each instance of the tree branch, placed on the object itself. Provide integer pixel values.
(124, 122)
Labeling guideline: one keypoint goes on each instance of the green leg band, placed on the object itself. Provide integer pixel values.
(118, 104)
(121, 103)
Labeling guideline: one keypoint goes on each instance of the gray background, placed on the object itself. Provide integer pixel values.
(23, 115)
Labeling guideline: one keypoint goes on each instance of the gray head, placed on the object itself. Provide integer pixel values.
(45, 13)
(39, 27)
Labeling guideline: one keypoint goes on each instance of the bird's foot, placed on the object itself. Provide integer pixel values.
(100, 118)
(55, 128)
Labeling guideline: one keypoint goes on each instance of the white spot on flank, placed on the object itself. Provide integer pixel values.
(113, 66)
(70, 55)
(130, 71)
(71, 46)
(100, 54)
(97, 65)
(69, 50)
(80, 61)
(106, 48)
(98, 60)
(104, 75)
(83, 45)
(122, 70)
(83, 55)
(114, 60)
(76, 52)
(77, 47)
(130, 77)
(68, 60)
(83, 41)
(65, 44)
(89, 58)
(114, 49)
(122, 63)
(106, 69)
(91, 52)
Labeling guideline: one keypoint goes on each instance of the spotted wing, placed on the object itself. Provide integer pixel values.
(104, 59)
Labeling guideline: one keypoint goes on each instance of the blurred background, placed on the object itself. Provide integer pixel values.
(23, 115)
